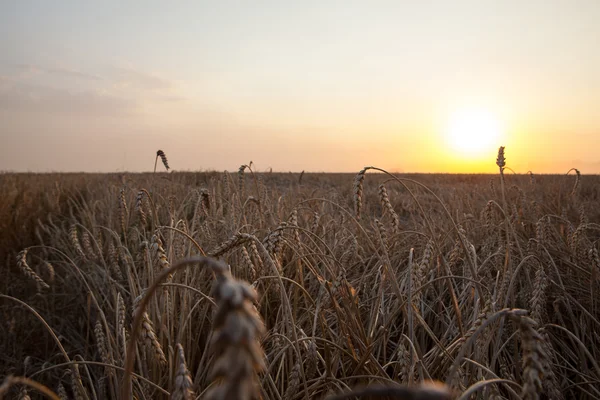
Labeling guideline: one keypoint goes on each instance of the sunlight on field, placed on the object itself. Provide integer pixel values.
(330, 262)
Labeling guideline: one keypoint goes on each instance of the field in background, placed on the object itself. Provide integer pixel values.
(374, 280)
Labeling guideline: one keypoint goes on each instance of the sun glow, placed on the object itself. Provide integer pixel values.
(473, 131)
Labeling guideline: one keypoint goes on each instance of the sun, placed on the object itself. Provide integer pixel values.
(473, 131)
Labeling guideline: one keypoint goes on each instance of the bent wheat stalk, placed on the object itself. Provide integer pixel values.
(163, 158)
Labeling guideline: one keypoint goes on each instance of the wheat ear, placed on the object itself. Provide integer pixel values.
(577, 182)
(163, 158)
(237, 328)
(358, 191)
(535, 360)
(22, 264)
(183, 381)
(387, 206)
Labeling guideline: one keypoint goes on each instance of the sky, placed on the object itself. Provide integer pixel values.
(323, 85)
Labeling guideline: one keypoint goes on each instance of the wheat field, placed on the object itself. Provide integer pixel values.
(248, 285)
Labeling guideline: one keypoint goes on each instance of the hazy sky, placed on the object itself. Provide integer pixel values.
(311, 85)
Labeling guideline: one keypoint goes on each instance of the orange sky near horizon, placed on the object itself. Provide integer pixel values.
(315, 86)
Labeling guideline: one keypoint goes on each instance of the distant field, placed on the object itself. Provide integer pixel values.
(363, 281)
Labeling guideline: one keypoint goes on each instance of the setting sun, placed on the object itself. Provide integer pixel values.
(473, 131)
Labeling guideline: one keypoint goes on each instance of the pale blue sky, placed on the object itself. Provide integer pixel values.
(321, 86)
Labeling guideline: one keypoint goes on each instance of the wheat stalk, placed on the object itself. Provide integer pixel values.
(23, 266)
(241, 180)
(387, 206)
(236, 240)
(237, 328)
(50, 270)
(79, 392)
(123, 211)
(163, 158)
(113, 262)
(62, 392)
(148, 335)
(139, 208)
(358, 191)
(158, 249)
(577, 182)
(101, 342)
(74, 236)
(501, 160)
(248, 264)
(383, 236)
(535, 361)
(121, 315)
(183, 381)
(538, 299)
(86, 243)
(294, 381)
